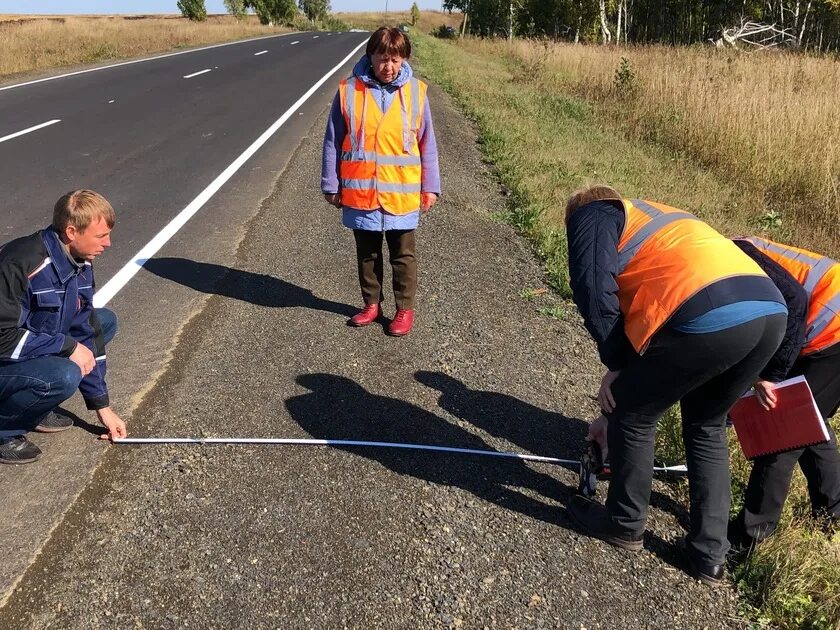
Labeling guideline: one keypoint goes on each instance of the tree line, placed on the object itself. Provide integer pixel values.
(806, 24)
(268, 11)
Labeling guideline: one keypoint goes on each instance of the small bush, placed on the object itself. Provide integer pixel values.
(770, 221)
(332, 23)
(624, 80)
(445, 32)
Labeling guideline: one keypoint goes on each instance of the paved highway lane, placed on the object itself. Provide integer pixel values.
(146, 136)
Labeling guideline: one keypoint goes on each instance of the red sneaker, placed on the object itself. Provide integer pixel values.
(401, 324)
(366, 316)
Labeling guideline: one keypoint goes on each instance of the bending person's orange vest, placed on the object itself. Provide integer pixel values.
(820, 276)
(665, 257)
(380, 157)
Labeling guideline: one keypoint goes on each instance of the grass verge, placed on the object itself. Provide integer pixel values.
(543, 141)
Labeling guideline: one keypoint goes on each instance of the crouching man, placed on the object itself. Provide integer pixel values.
(52, 339)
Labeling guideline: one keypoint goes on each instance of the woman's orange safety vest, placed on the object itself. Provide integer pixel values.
(380, 156)
(821, 278)
(665, 256)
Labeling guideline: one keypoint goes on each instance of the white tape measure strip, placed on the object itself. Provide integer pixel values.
(416, 447)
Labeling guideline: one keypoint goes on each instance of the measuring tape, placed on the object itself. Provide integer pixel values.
(590, 466)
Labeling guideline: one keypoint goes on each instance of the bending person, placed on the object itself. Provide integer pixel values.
(811, 349)
(52, 339)
(679, 314)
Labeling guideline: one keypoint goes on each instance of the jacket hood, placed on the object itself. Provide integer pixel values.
(363, 70)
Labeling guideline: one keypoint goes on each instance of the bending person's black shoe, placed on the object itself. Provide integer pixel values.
(18, 450)
(593, 519)
(54, 423)
(709, 574)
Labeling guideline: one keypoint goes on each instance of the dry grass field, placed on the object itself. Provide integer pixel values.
(429, 20)
(768, 123)
(33, 43)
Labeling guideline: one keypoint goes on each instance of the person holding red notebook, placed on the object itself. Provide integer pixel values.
(810, 284)
(679, 314)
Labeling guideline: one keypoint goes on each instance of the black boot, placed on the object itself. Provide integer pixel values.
(709, 574)
(593, 519)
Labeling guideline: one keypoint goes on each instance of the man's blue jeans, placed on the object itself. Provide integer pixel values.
(30, 389)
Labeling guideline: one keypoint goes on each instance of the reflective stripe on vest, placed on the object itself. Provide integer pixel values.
(380, 163)
(665, 256)
(820, 276)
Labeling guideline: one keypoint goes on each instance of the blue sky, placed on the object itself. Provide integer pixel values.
(170, 6)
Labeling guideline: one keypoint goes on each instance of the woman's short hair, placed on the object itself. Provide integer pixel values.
(390, 41)
(80, 208)
(588, 194)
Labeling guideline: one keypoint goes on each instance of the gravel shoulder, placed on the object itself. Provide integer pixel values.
(263, 536)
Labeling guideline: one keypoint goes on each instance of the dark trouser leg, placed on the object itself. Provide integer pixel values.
(770, 478)
(108, 322)
(821, 463)
(675, 365)
(401, 248)
(631, 438)
(30, 389)
(369, 259)
(821, 466)
(765, 495)
(704, 434)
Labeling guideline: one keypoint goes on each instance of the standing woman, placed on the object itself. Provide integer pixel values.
(380, 166)
(679, 314)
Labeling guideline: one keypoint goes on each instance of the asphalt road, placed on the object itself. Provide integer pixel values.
(152, 141)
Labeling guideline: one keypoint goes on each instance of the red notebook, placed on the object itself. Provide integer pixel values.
(794, 423)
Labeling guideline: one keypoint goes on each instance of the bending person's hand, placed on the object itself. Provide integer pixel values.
(334, 199)
(605, 395)
(598, 433)
(765, 391)
(112, 422)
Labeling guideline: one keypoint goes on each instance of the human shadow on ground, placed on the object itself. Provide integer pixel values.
(337, 407)
(255, 288)
(538, 431)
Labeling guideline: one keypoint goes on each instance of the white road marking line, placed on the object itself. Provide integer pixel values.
(315, 36)
(29, 130)
(262, 52)
(133, 61)
(294, 42)
(195, 74)
(113, 286)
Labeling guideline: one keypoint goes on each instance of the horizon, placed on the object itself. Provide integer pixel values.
(169, 7)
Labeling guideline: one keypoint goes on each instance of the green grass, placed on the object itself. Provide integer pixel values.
(542, 144)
